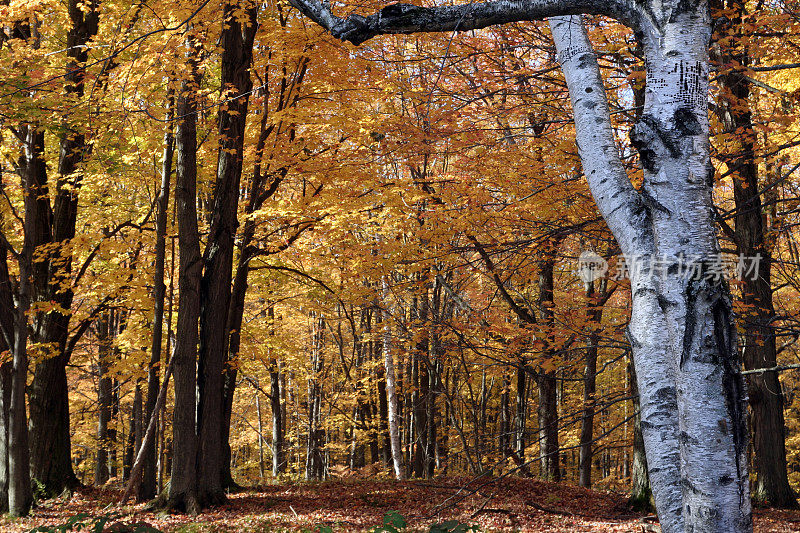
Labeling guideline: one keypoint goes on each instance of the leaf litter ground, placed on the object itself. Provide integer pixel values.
(499, 504)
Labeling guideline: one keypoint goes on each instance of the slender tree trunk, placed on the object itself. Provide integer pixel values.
(430, 415)
(520, 412)
(137, 431)
(259, 191)
(383, 405)
(504, 439)
(147, 488)
(6, 370)
(594, 318)
(357, 451)
(641, 493)
(278, 452)
(20, 497)
(7, 327)
(261, 471)
(393, 413)
(104, 399)
(315, 457)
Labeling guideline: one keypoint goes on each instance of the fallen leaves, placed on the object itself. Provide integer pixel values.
(493, 504)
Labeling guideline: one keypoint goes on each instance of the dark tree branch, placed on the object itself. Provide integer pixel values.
(407, 18)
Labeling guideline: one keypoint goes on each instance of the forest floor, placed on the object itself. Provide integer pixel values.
(499, 504)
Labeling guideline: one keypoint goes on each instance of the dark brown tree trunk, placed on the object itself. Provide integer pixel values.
(420, 396)
(147, 488)
(594, 318)
(20, 497)
(765, 393)
(521, 408)
(504, 439)
(546, 381)
(315, 456)
(422, 388)
(430, 417)
(7, 319)
(548, 426)
(237, 50)
(587, 421)
(51, 461)
(183, 484)
(6, 370)
(136, 432)
(104, 399)
(278, 453)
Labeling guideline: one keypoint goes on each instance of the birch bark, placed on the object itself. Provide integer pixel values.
(682, 336)
(681, 330)
(391, 392)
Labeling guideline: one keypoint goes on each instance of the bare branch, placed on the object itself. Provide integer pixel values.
(407, 18)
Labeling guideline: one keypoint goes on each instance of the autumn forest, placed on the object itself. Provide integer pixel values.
(509, 261)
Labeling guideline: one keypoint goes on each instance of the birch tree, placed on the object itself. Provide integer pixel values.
(681, 329)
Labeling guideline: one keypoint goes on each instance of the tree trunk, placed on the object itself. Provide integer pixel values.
(278, 453)
(7, 339)
(766, 396)
(6, 370)
(641, 493)
(393, 414)
(149, 434)
(183, 485)
(594, 318)
(504, 439)
(548, 427)
(430, 449)
(546, 380)
(51, 457)
(237, 50)
(681, 329)
(136, 432)
(261, 471)
(520, 412)
(383, 405)
(20, 497)
(315, 457)
(147, 488)
(104, 399)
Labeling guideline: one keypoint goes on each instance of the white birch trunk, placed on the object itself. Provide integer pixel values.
(391, 392)
(683, 340)
(681, 330)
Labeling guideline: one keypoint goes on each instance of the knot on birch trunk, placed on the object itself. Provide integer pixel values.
(653, 142)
